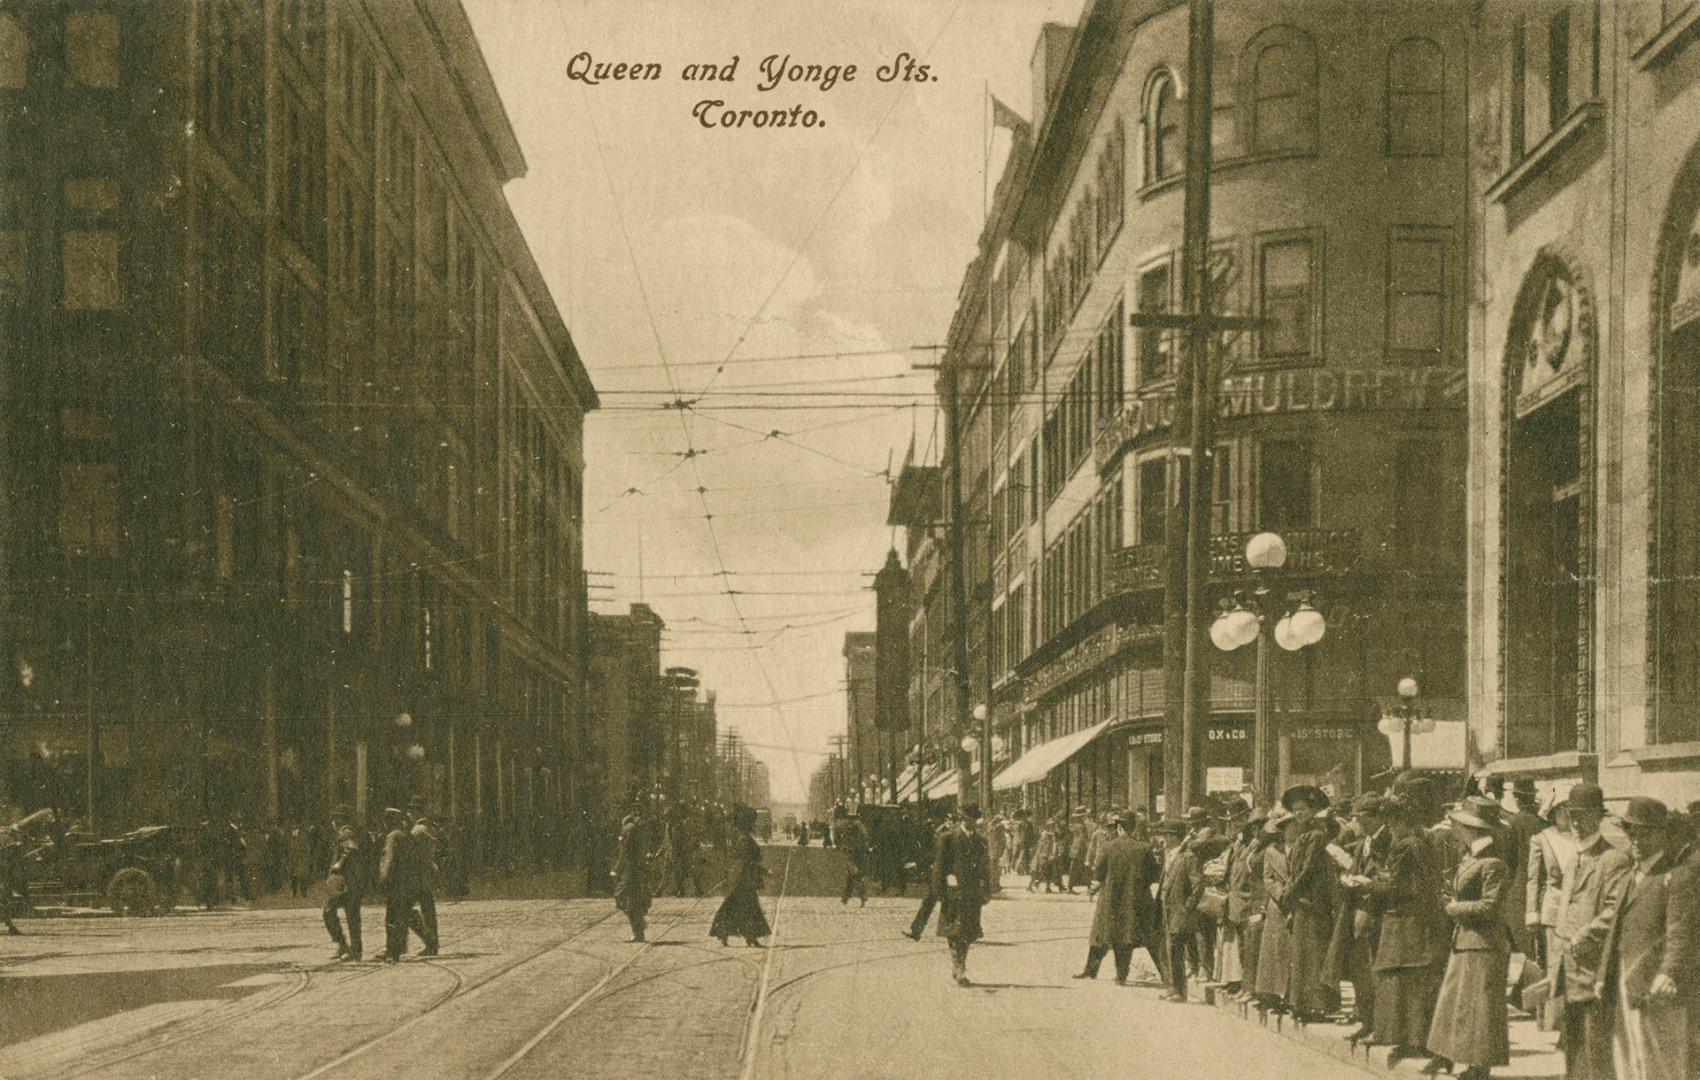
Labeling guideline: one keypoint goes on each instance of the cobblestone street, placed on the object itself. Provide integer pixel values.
(531, 988)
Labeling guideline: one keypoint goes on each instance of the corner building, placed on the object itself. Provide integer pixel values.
(292, 437)
(1339, 214)
(1584, 366)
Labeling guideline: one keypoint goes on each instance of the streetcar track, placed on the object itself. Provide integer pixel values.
(419, 1017)
(758, 1007)
(248, 1006)
(588, 997)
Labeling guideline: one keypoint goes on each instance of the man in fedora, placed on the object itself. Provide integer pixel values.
(422, 914)
(1121, 881)
(963, 880)
(1649, 979)
(1182, 887)
(1588, 886)
(396, 876)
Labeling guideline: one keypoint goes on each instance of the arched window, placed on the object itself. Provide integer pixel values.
(14, 54)
(1416, 90)
(1546, 507)
(1283, 92)
(1674, 567)
(1168, 146)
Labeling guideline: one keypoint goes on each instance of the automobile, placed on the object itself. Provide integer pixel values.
(132, 874)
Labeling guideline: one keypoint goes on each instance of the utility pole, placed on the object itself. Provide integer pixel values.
(958, 589)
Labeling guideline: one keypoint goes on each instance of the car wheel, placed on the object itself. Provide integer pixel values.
(132, 890)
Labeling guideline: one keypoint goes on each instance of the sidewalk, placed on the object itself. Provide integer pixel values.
(1534, 1053)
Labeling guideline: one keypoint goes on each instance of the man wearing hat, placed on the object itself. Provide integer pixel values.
(1122, 881)
(853, 841)
(631, 875)
(1205, 841)
(963, 880)
(1589, 884)
(1237, 948)
(1650, 973)
(1182, 887)
(1549, 851)
(1524, 825)
(344, 884)
(396, 877)
(1357, 921)
(422, 914)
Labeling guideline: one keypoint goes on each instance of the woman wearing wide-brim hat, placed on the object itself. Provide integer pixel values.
(740, 913)
(1308, 902)
(1275, 941)
(1414, 939)
(1470, 1025)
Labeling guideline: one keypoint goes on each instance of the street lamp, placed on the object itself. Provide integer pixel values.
(1408, 717)
(1244, 619)
(983, 717)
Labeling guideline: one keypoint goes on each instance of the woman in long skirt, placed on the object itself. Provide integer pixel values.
(1274, 952)
(1414, 939)
(1470, 1025)
(740, 913)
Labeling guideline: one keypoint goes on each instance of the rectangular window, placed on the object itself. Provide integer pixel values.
(91, 270)
(88, 508)
(91, 48)
(1287, 299)
(1286, 496)
(1222, 490)
(1518, 89)
(1416, 297)
(1156, 347)
(347, 601)
(301, 188)
(354, 247)
(1153, 500)
(230, 284)
(1558, 67)
(298, 319)
(398, 163)
(359, 87)
(1420, 517)
(433, 221)
(233, 92)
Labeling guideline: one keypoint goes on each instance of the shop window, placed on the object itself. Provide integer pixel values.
(14, 53)
(1416, 91)
(1156, 347)
(91, 48)
(1283, 92)
(91, 270)
(1287, 298)
(1286, 485)
(1416, 296)
(1166, 155)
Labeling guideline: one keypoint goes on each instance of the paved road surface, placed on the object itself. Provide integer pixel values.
(530, 988)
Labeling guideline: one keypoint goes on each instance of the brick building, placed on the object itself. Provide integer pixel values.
(292, 447)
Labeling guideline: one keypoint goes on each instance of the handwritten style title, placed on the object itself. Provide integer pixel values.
(772, 74)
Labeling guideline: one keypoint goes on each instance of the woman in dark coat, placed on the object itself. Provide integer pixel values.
(1410, 952)
(741, 912)
(1274, 950)
(1309, 902)
(1470, 1020)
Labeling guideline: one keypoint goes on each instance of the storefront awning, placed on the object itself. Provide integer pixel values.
(944, 787)
(1037, 763)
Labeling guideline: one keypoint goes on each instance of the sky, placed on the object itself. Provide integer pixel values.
(685, 258)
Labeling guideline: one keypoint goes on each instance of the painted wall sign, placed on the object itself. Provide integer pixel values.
(1295, 390)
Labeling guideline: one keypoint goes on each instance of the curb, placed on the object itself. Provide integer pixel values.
(1373, 1062)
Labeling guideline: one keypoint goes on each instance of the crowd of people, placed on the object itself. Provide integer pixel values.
(1421, 908)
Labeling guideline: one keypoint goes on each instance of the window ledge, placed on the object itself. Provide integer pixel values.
(1168, 183)
(1565, 762)
(1545, 152)
(1669, 40)
(1664, 754)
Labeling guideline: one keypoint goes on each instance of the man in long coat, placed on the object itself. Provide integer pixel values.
(398, 877)
(1309, 903)
(1122, 880)
(1650, 975)
(1590, 885)
(963, 880)
(631, 875)
(1181, 889)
